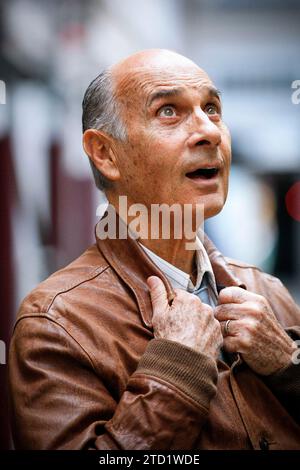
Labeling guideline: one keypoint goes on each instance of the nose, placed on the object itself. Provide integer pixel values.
(205, 132)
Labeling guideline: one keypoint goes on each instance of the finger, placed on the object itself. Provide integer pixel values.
(243, 341)
(231, 344)
(230, 311)
(182, 295)
(233, 328)
(237, 295)
(158, 293)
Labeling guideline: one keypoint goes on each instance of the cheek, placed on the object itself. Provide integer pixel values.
(225, 182)
(153, 154)
(226, 157)
(226, 154)
(139, 167)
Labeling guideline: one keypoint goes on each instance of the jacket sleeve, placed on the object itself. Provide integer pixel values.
(60, 401)
(285, 384)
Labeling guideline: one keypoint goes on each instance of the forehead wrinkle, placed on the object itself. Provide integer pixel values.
(167, 92)
(164, 92)
(143, 81)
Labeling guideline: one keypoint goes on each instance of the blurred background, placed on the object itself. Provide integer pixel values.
(49, 53)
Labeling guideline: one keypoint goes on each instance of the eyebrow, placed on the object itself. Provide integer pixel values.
(165, 93)
(172, 92)
(213, 91)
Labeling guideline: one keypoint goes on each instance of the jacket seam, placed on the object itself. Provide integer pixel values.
(232, 263)
(269, 276)
(96, 272)
(44, 315)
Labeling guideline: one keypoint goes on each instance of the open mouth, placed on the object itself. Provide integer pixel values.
(203, 173)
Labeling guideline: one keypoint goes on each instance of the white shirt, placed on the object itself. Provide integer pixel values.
(181, 280)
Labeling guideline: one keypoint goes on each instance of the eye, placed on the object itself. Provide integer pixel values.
(212, 108)
(167, 111)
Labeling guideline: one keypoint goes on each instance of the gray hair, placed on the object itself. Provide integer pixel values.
(100, 111)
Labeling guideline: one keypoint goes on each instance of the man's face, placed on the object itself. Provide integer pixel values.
(178, 148)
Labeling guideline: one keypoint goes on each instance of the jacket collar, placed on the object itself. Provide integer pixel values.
(134, 266)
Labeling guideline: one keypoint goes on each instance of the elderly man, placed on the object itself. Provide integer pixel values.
(145, 344)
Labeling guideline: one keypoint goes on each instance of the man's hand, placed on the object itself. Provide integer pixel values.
(187, 321)
(253, 330)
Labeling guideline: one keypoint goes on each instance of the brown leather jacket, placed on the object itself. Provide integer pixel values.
(86, 372)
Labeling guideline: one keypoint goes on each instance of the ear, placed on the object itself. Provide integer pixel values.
(98, 146)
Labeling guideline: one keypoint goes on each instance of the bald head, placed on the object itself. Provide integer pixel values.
(122, 91)
(131, 72)
(151, 58)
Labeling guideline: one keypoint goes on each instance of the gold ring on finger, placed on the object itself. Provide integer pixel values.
(226, 327)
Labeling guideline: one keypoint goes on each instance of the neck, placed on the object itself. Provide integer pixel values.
(173, 250)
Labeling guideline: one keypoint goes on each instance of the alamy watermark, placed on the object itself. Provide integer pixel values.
(2, 352)
(159, 221)
(2, 92)
(296, 94)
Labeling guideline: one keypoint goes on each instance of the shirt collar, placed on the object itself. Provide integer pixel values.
(179, 278)
(134, 266)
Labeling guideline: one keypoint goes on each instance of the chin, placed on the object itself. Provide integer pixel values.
(213, 206)
(211, 212)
